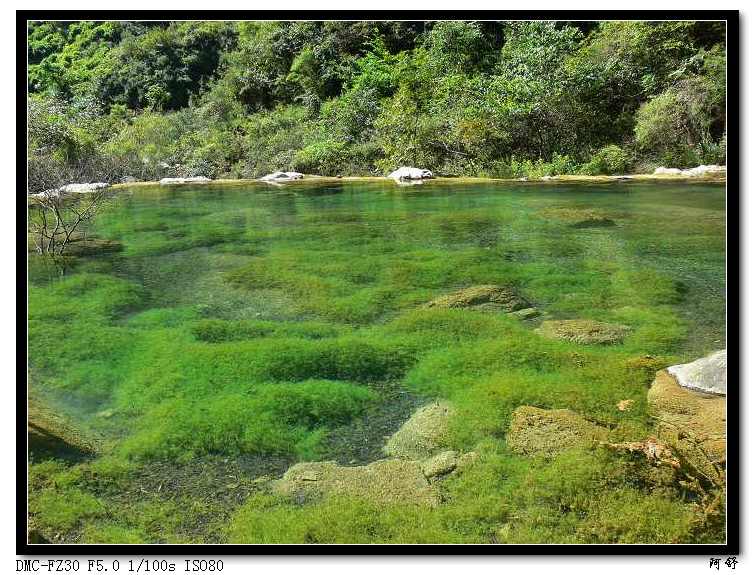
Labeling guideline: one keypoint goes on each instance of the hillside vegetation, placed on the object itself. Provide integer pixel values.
(110, 100)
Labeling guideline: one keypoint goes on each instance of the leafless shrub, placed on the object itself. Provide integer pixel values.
(55, 216)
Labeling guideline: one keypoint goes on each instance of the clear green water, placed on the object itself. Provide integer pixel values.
(256, 326)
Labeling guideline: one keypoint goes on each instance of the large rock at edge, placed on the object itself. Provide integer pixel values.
(692, 422)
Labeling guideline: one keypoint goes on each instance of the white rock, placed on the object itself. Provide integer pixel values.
(282, 177)
(702, 170)
(706, 374)
(72, 189)
(192, 180)
(691, 172)
(82, 188)
(407, 173)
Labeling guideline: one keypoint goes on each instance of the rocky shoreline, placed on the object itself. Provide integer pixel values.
(308, 179)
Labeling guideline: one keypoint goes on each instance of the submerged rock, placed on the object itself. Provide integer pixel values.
(52, 434)
(536, 431)
(706, 374)
(282, 177)
(408, 173)
(483, 297)
(423, 434)
(692, 422)
(192, 180)
(585, 331)
(441, 464)
(526, 313)
(385, 481)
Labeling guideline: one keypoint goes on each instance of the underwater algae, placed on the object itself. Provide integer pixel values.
(237, 332)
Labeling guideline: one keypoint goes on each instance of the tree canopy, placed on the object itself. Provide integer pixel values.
(458, 97)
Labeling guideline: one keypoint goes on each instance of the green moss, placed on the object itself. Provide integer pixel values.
(337, 520)
(216, 330)
(61, 510)
(273, 325)
(108, 533)
(584, 497)
(269, 419)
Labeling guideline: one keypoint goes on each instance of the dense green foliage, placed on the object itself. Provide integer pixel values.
(254, 327)
(115, 99)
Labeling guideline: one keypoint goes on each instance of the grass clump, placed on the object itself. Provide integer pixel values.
(60, 510)
(217, 330)
(113, 534)
(273, 418)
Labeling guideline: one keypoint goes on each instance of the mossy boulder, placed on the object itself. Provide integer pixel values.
(483, 298)
(547, 432)
(51, 434)
(440, 464)
(424, 433)
(692, 422)
(387, 481)
(585, 331)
